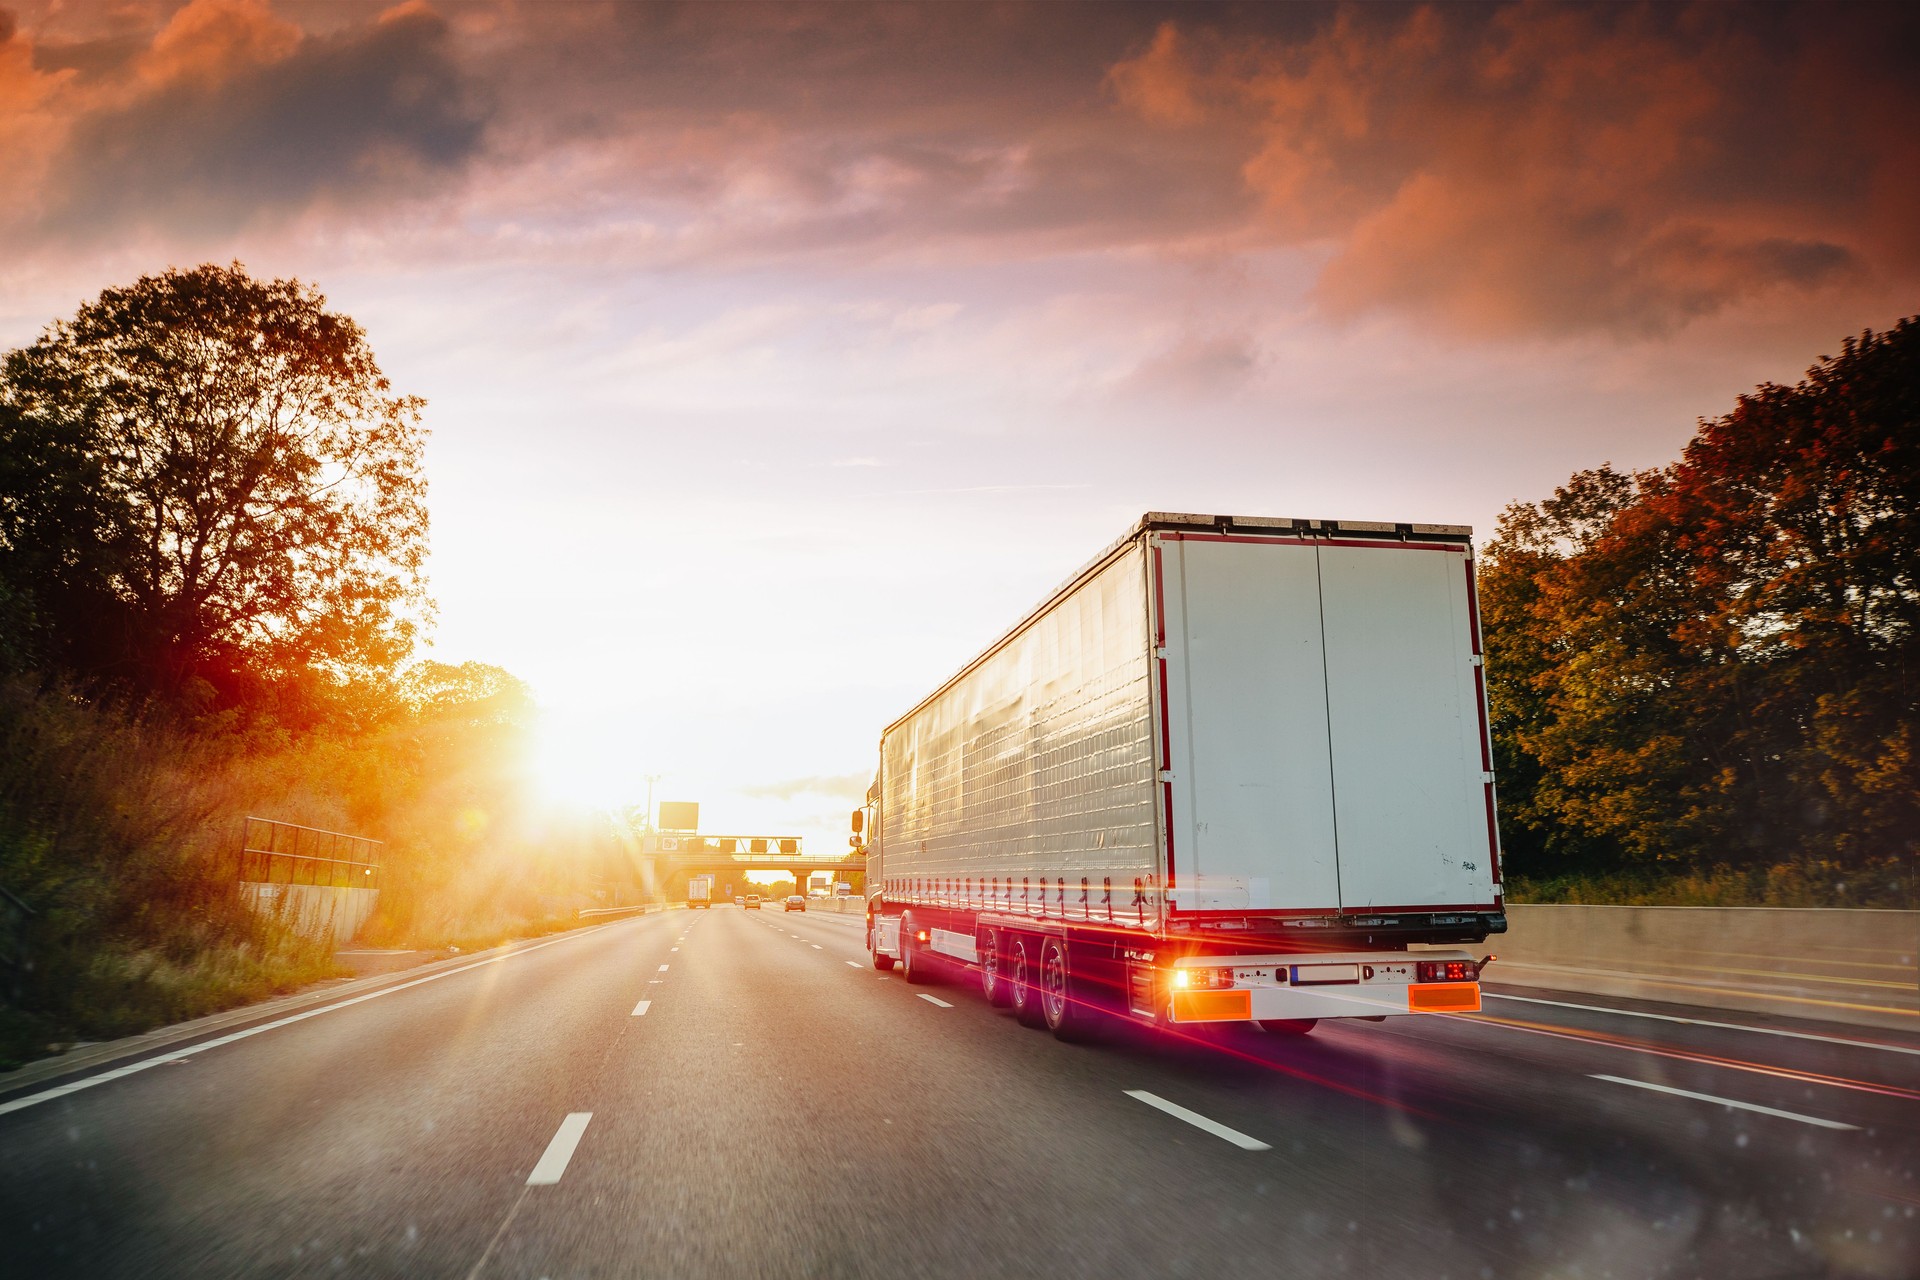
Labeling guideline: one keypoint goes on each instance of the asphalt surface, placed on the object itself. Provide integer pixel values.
(781, 1109)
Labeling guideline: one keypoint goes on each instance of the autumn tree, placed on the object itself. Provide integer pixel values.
(1717, 662)
(1803, 527)
(208, 479)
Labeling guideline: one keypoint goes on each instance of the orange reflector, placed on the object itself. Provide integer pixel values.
(1215, 1006)
(1445, 997)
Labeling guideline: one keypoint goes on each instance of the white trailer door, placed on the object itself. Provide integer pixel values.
(1252, 819)
(1403, 705)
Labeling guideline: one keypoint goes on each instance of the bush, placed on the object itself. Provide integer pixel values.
(122, 833)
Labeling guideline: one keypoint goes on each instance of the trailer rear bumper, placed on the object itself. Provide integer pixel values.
(1282, 1004)
(1298, 987)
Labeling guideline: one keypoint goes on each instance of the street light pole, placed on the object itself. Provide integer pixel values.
(651, 779)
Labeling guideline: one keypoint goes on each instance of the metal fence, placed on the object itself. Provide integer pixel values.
(285, 853)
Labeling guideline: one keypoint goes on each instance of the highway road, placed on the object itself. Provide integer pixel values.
(734, 1093)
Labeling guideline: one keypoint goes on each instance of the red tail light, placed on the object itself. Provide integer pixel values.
(1446, 971)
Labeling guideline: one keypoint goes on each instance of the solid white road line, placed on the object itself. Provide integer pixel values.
(640, 1010)
(1198, 1121)
(1703, 1022)
(553, 1162)
(935, 1000)
(663, 968)
(1728, 1102)
(75, 1086)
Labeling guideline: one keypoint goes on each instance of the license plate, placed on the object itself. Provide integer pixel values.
(1307, 975)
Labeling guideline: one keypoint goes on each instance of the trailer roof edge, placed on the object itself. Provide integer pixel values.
(1176, 521)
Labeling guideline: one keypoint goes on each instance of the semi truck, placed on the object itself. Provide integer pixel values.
(700, 892)
(1234, 770)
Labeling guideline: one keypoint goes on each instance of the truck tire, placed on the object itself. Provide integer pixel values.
(1022, 968)
(993, 982)
(1061, 1005)
(880, 962)
(1288, 1026)
(913, 961)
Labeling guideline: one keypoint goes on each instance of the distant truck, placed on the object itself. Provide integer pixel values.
(1233, 770)
(700, 892)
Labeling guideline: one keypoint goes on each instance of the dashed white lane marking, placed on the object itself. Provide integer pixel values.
(1702, 1022)
(663, 968)
(818, 947)
(935, 1000)
(673, 948)
(120, 1073)
(1197, 1120)
(640, 1010)
(854, 963)
(1728, 1102)
(553, 1162)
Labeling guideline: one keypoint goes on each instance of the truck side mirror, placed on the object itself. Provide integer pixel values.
(859, 821)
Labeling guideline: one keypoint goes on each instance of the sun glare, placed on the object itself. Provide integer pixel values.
(578, 768)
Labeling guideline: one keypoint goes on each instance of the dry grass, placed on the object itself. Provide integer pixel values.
(1887, 884)
(121, 835)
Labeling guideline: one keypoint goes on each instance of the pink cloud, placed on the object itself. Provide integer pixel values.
(1553, 168)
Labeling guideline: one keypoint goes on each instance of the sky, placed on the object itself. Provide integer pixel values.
(779, 357)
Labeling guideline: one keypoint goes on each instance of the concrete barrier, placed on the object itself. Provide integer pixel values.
(1840, 965)
(314, 909)
(640, 908)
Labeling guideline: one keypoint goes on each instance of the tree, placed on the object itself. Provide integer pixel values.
(209, 477)
(1719, 661)
(1599, 697)
(473, 692)
(1804, 515)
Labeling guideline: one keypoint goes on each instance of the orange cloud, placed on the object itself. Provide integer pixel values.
(1159, 84)
(1560, 168)
(228, 116)
(28, 117)
(209, 40)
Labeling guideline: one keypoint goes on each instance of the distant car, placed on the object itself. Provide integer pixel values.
(753, 901)
(796, 903)
(739, 902)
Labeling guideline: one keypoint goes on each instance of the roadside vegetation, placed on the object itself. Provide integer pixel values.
(212, 539)
(1705, 678)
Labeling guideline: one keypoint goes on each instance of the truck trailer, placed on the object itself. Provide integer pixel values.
(700, 893)
(1235, 769)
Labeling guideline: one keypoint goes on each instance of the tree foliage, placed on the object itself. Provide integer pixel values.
(1719, 661)
(208, 478)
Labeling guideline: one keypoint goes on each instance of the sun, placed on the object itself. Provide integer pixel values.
(574, 766)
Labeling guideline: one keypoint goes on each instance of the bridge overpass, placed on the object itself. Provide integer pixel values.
(724, 856)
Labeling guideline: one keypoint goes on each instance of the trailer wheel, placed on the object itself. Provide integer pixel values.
(913, 961)
(880, 962)
(1022, 996)
(1060, 1008)
(1288, 1026)
(993, 983)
